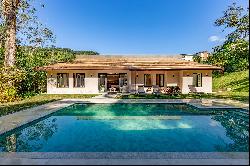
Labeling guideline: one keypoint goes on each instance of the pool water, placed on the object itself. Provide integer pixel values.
(132, 128)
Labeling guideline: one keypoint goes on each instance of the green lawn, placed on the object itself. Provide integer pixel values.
(12, 107)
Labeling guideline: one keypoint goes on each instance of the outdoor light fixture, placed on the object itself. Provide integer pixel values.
(173, 75)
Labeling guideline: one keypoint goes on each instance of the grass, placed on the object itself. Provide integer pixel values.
(8, 108)
(233, 85)
(236, 81)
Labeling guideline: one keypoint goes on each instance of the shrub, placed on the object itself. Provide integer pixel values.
(16, 84)
(172, 90)
(10, 78)
(176, 90)
(28, 58)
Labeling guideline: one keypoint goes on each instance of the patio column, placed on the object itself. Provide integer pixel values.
(129, 79)
(181, 79)
(153, 77)
(71, 82)
(136, 76)
(165, 78)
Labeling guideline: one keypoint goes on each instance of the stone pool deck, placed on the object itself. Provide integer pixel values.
(12, 121)
(125, 158)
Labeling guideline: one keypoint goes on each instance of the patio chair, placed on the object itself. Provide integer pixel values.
(141, 90)
(124, 89)
(156, 89)
(149, 90)
(192, 89)
(112, 90)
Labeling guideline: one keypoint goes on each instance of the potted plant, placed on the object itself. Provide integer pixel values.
(102, 88)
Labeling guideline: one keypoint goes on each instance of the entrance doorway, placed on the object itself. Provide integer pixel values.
(113, 81)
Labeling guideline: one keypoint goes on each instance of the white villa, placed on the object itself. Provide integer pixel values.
(94, 74)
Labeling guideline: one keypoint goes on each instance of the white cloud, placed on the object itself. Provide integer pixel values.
(215, 39)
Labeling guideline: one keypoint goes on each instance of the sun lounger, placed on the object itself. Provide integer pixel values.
(141, 90)
(156, 89)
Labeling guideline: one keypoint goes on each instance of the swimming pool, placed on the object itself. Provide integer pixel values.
(132, 128)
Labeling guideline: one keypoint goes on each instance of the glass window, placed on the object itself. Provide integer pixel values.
(197, 79)
(147, 80)
(79, 80)
(62, 80)
(160, 80)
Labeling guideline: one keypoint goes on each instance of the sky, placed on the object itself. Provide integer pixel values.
(162, 27)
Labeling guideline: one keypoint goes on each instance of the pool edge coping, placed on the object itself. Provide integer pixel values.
(126, 155)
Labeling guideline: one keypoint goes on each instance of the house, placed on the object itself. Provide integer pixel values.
(190, 57)
(203, 54)
(95, 74)
(187, 57)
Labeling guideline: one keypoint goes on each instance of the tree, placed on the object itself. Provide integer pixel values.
(233, 54)
(20, 26)
(9, 10)
(237, 19)
(86, 53)
(197, 58)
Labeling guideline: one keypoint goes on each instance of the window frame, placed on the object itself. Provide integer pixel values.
(159, 80)
(75, 80)
(58, 82)
(150, 80)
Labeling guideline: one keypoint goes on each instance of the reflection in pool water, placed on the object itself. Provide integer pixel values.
(132, 128)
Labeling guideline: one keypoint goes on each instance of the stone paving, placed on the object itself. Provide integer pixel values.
(18, 161)
(20, 118)
(123, 158)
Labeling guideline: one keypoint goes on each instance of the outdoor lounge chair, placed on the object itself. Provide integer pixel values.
(156, 89)
(141, 90)
(149, 90)
(112, 90)
(124, 89)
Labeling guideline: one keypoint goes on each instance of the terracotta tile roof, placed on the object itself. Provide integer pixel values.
(94, 62)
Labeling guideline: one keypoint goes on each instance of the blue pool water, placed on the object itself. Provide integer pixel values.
(132, 128)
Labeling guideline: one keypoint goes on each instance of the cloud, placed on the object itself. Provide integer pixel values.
(215, 39)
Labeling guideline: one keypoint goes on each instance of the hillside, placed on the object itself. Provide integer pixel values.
(237, 81)
(232, 86)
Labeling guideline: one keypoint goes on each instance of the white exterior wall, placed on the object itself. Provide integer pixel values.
(181, 78)
(140, 79)
(187, 80)
(91, 81)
